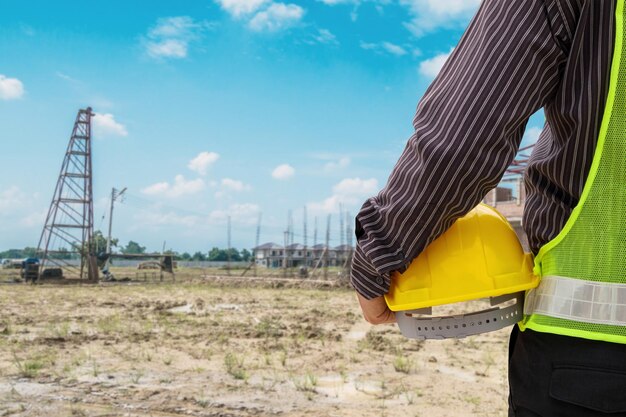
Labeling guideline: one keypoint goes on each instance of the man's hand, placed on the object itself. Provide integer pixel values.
(375, 311)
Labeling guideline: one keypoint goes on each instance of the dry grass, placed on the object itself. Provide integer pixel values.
(208, 347)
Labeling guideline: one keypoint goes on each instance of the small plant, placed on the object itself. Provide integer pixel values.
(268, 328)
(203, 402)
(235, 366)
(61, 331)
(403, 364)
(374, 341)
(109, 325)
(410, 395)
(167, 361)
(344, 375)
(95, 368)
(472, 400)
(5, 329)
(28, 368)
(307, 384)
(136, 376)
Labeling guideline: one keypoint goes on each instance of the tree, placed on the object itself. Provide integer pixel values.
(27, 252)
(246, 255)
(100, 242)
(218, 255)
(133, 248)
(234, 255)
(221, 255)
(185, 256)
(198, 256)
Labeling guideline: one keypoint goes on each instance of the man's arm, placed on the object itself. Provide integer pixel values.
(468, 127)
(375, 311)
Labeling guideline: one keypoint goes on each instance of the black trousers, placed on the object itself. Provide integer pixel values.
(554, 376)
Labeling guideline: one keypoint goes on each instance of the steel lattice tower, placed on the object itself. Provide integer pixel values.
(66, 239)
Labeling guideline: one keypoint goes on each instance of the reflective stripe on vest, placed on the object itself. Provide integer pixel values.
(579, 300)
(582, 292)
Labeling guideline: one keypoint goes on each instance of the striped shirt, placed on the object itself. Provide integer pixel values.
(514, 58)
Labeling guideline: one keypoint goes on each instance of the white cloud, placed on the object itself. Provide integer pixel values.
(154, 217)
(283, 172)
(336, 2)
(104, 124)
(429, 15)
(238, 8)
(158, 188)
(368, 46)
(20, 208)
(10, 199)
(168, 48)
(325, 36)
(349, 192)
(180, 187)
(276, 17)
(246, 214)
(66, 77)
(384, 47)
(202, 162)
(336, 165)
(10, 88)
(171, 36)
(355, 187)
(34, 219)
(240, 214)
(430, 67)
(531, 136)
(234, 185)
(394, 49)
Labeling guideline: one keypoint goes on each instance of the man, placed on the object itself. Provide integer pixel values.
(515, 58)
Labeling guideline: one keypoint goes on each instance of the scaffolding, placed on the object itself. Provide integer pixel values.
(65, 248)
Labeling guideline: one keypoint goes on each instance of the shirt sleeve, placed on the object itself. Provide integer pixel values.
(468, 127)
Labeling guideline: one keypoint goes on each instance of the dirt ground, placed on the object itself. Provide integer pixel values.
(225, 347)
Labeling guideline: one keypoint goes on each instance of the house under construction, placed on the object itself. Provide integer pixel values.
(273, 255)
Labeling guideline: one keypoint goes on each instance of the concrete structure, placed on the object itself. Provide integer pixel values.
(273, 255)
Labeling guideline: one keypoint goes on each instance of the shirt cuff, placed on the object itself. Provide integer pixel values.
(365, 279)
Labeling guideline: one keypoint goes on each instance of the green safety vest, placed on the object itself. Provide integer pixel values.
(582, 292)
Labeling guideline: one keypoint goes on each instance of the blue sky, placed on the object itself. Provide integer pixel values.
(209, 109)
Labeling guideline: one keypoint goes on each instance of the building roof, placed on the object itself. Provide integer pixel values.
(299, 246)
(269, 245)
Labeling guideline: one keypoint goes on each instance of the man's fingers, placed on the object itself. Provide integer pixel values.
(375, 311)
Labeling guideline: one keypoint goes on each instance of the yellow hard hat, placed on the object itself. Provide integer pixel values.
(480, 256)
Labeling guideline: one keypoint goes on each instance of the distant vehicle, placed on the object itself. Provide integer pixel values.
(30, 269)
(11, 263)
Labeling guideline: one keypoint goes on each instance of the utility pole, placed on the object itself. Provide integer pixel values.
(289, 239)
(315, 232)
(290, 227)
(115, 195)
(228, 250)
(341, 225)
(327, 248)
(349, 233)
(258, 237)
(306, 258)
(285, 254)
